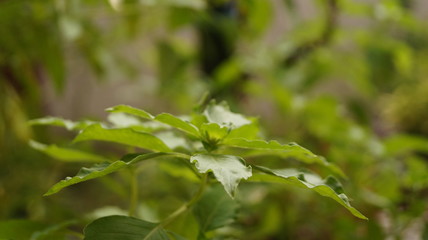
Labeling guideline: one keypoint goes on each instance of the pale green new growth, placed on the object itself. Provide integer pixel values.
(227, 169)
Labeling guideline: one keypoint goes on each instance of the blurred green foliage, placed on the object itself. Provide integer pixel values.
(345, 78)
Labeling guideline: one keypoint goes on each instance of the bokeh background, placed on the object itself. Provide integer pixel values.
(346, 79)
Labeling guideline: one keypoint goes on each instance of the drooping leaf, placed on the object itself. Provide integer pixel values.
(130, 110)
(329, 187)
(60, 122)
(221, 114)
(65, 154)
(100, 170)
(86, 174)
(227, 169)
(125, 136)
(177, 123)
(291, 150)
(124, 228)
(214, 210)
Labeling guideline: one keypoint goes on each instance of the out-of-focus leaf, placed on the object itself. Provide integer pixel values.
(329, 187)
(248, 131)
(214, 210)
(123, 120)
(18, 229)
(291, 150)
(65, 154)
(174, 141)
(125, 136)
(405, 143)
(221, 114)
(227, 169)
(60, 122)
(175, 236)
(179, 171)
(50, 231)
(123, 227)
(99, 170)
(177, 123)
(130, 110)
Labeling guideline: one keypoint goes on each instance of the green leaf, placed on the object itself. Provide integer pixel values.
(100, 170)
(123, 120)
(221, 114)
(18, 229)
(249, 131)
(60, 122)
(51, 230)
(165, 118)
(227, 169)
(213, 133)
(130, 110)
(124, 228)
(292, 150)
(406, 143)
(65, 154)
(329, 187)
(174, 141)
(214, 210)
(177, 123)
(86, 174)
(125, 136)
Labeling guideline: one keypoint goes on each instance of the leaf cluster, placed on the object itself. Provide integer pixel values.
(201, 140)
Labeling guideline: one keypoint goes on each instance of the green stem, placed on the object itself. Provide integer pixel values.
(76, 234)
(187, 205)
(134, 193)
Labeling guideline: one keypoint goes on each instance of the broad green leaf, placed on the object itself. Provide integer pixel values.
(291, 150)
(227, 169)
(177, 123)
(329, 187)
(60, 122)
(130, 110)
(221, 114)
(100, 170)
(65, 154)
(124, 228)
(125, 136)
(214, 210)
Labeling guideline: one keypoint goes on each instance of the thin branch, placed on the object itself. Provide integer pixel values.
(306, 48)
